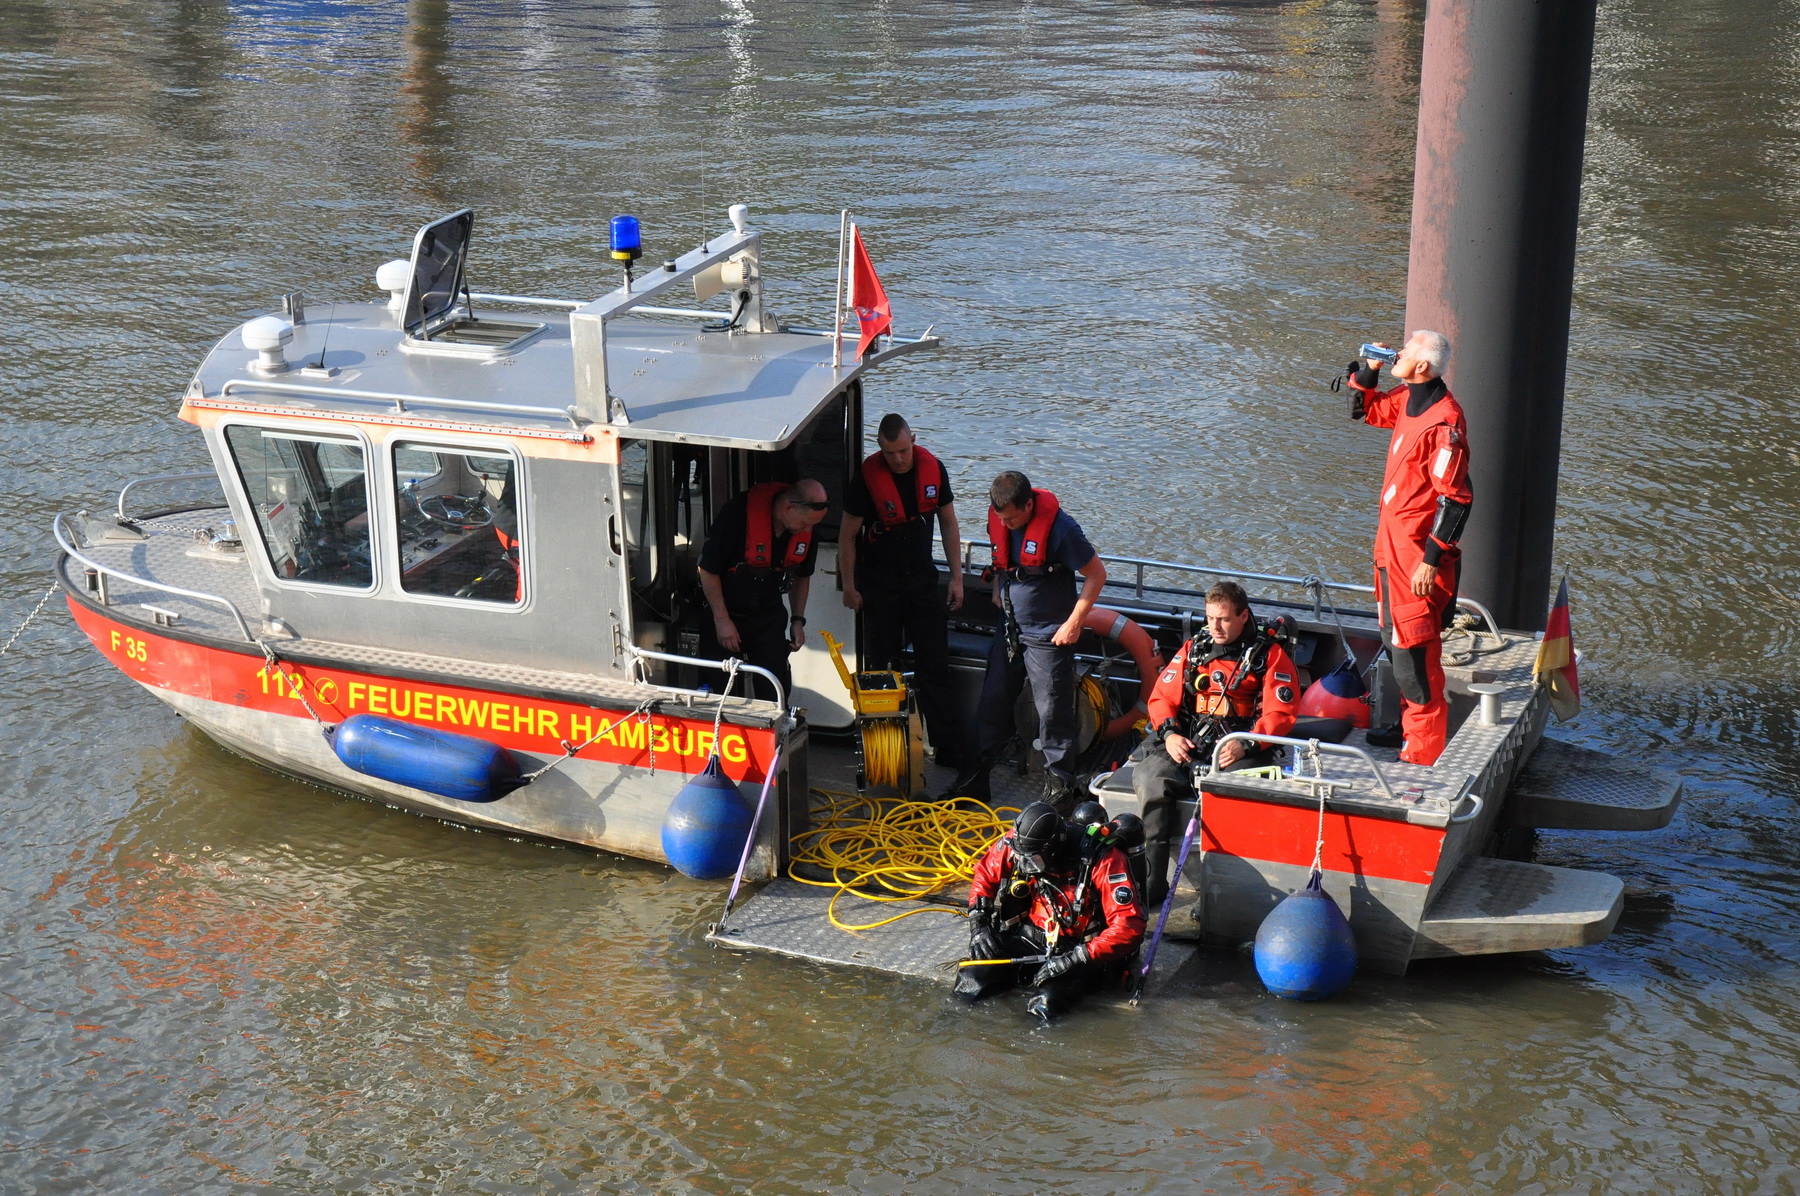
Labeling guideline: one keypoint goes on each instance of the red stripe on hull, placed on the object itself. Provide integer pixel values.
(1361, 846)
(528, 724)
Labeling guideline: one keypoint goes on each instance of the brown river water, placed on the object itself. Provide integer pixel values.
(1149, 233)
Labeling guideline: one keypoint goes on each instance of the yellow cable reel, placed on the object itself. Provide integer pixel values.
(893, 739)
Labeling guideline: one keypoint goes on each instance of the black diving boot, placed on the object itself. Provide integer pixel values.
(1156, 874)
(1062, 792)
(1385, 737)
(973, 781)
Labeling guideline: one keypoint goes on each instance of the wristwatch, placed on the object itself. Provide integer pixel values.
(797, 619)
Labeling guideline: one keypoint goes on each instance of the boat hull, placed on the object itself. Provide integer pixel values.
(613, 795)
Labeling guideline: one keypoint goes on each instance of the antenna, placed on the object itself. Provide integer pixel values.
(326, 339)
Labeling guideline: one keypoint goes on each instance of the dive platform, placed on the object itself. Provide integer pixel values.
(788, 918)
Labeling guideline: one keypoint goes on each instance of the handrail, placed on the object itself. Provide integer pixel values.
(1142, 563)
(1474, 812)
(56, 527)
(1336, 749)
(398, 400)
(162, 477)
(526, 300)
(642, 654)
(1484, 612)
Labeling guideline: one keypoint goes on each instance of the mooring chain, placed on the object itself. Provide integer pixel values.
(295, 687)
(571, 750)
(28, 618)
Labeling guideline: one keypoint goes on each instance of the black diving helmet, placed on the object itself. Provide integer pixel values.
(1038, 837)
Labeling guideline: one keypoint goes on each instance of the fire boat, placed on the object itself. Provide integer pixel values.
(445, 559)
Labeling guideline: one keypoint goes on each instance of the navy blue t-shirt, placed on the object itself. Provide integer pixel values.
(1042, 603)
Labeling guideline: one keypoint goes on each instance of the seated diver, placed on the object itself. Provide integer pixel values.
(1040, 894)
(1234, 675)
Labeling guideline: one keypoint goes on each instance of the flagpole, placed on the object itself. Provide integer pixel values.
(850, 275)
(837, 328)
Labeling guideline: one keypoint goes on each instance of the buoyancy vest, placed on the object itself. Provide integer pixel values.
(759, 530)
(1226, 679)
(1034, 552)
(884, 491)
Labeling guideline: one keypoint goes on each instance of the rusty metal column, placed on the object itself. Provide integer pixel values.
(1503, 95)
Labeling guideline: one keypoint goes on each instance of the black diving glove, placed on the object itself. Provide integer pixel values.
(984, 941)
(1058, 965)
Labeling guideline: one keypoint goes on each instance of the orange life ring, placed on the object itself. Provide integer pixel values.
(1137, 641)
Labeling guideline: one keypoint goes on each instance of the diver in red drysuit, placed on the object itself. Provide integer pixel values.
(1046, 890)
(1425, 500)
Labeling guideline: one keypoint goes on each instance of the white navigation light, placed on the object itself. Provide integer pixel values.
(740, 216)
(267, 335)
(392, 277)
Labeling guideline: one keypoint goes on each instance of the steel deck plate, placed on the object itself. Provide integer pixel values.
(1566, 787)
(788, 918)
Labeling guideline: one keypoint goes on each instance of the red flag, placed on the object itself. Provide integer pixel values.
(1555, 666)
(873, 314)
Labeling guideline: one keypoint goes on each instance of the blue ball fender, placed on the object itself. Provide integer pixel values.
(704, 831)
(461, 767)
(1304, 948)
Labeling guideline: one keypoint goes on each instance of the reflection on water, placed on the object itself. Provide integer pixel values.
(1148, 232)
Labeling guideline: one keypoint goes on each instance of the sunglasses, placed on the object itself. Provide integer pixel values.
(815, 506)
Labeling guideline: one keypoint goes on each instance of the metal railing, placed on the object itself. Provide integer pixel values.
(398, 400)
(1335, 749)
(160, 479)
(640, 655)
(526, 300)
(66, 543)
(1140, 588)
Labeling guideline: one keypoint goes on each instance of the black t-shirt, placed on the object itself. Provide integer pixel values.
(747, 588)
(883, 551)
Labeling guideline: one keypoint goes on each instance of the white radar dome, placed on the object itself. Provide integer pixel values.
(392, 277)
(267, 335)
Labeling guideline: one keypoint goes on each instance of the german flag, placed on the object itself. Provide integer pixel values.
(1555, 669)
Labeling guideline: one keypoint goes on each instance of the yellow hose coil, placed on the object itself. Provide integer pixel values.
(884, 751)
(909, 849)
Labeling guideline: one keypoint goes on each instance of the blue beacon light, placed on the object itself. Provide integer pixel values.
(627, 245)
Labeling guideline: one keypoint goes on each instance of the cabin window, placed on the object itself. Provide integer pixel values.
(638, 507)
(310, 495)
(456, 511)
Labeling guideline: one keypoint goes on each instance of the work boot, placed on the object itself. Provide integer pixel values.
(972, 782)
(1156, 874)
(1062, 792)
(1385, 737)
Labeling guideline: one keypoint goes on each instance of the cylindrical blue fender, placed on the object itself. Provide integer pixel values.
(442, 762)
(1304, 948)
(704, 831)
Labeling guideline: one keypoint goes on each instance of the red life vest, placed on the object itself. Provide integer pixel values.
(759, 530)
(1035, 550)
(928, 482)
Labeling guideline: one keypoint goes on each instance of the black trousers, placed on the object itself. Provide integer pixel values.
(764, 632)
(972, 984)
(909, 607)
(1160, 783)
(1052, 673)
